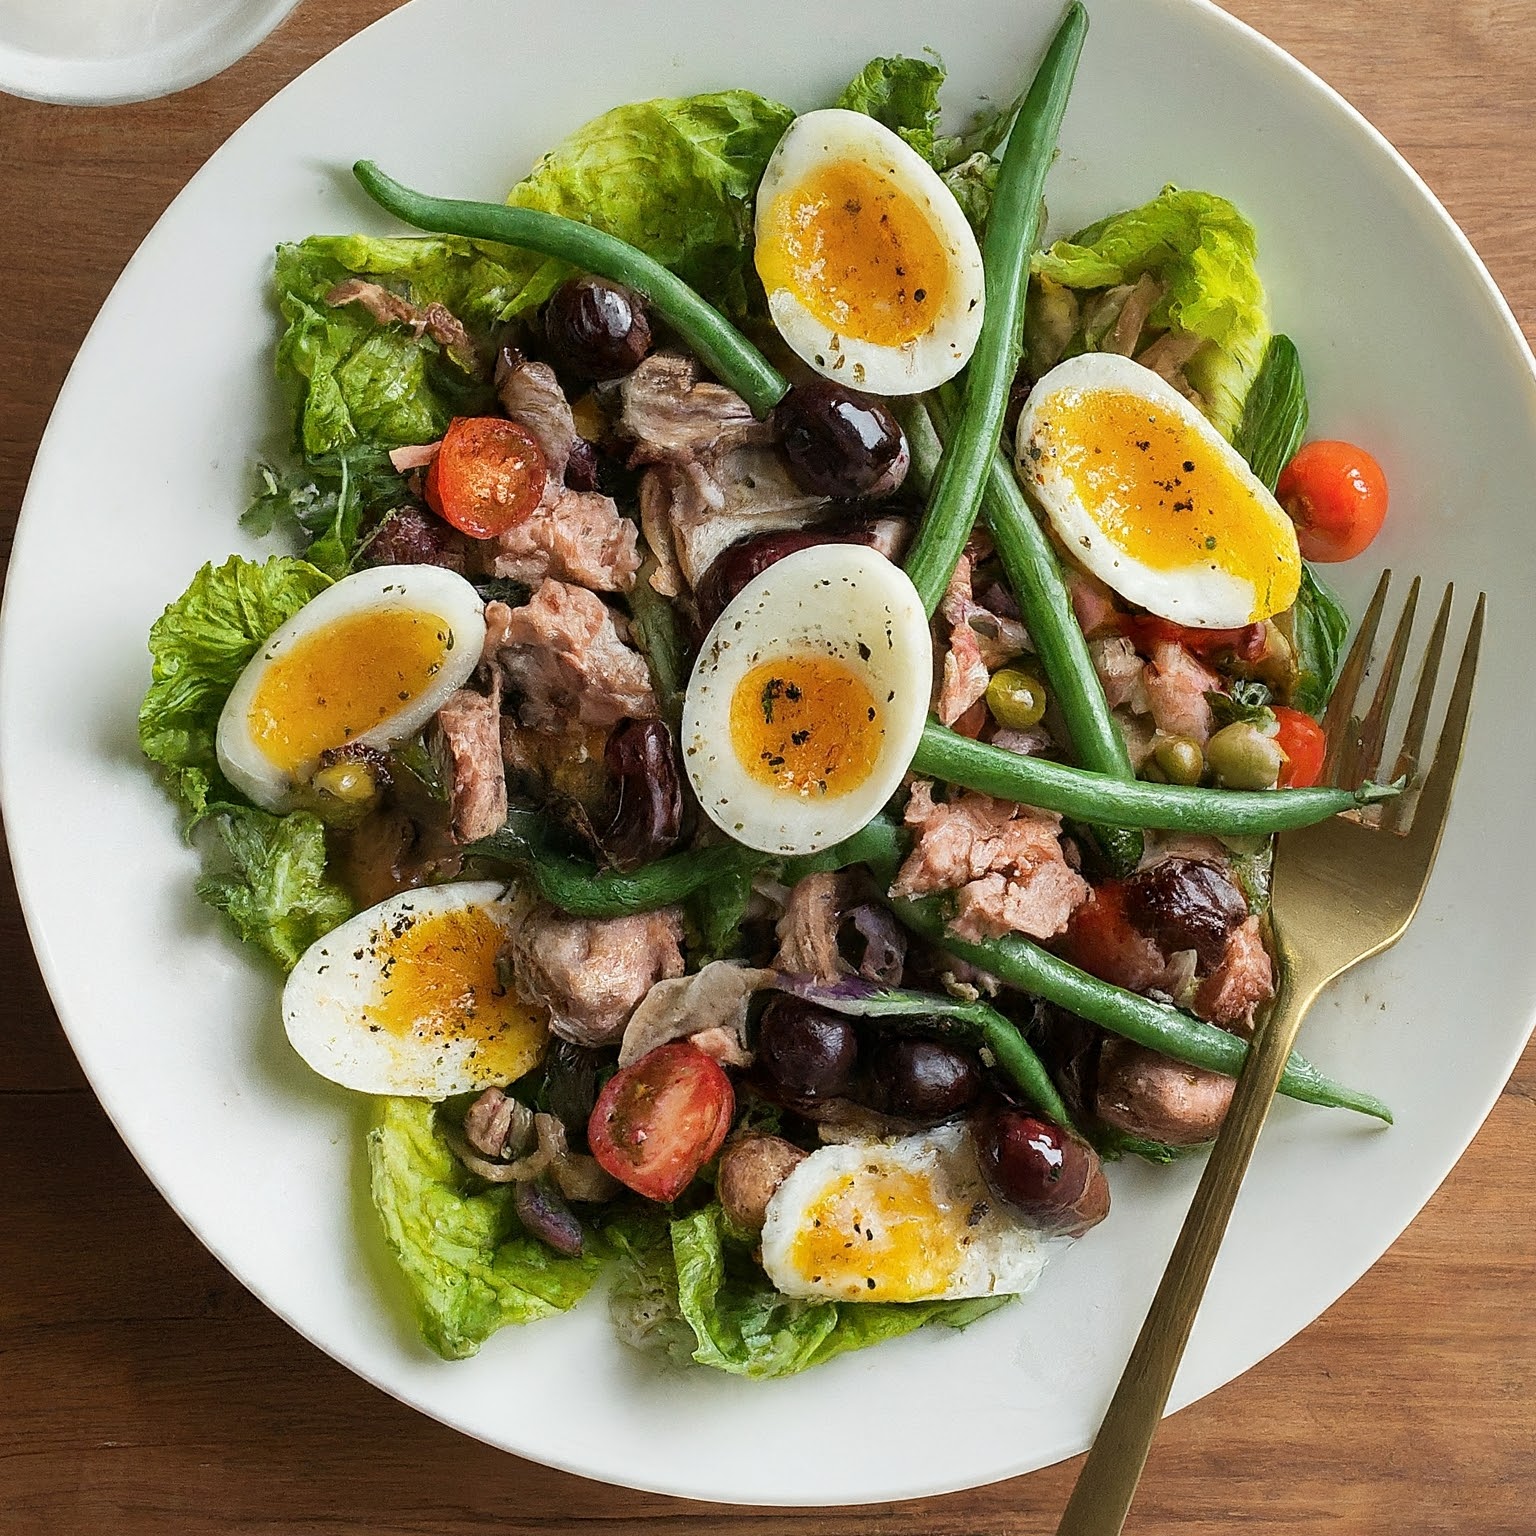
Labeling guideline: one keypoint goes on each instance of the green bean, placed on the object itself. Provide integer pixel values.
(1097, 798)
(722, 348)
(1018, 963)
(1035, 574)
(1012, 229)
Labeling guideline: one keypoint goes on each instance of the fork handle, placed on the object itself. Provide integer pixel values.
(1107, 1482)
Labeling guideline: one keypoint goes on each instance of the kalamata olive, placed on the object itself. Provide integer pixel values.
(841, 443)
(743, 562)
(571, 1084)
(804, 1052)
(414, 536)
(649, 814)
(924, 1079)
(1148, 1094)
(581, 467)
(1050, 1175)
(1185, 904)
(596, 329)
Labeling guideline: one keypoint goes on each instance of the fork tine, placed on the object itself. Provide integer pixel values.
(1395, 813)
(1336, 722)
(1362, 763)
(1435, 797)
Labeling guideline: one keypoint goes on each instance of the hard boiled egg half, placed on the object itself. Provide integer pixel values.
(370, 659)
(872, 273)
(409, 998)
(808, 698)
(911, 1220)
(1146, 494)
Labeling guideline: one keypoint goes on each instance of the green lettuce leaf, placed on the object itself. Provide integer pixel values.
(1319, 628)
(904, 95)
(1205, 251)
(200, 645)
(272, 888)
(468, 1264)
(737, 1322)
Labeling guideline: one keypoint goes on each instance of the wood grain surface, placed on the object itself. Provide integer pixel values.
(143, 1391)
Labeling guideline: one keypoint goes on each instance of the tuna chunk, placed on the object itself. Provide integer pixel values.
(434, 320)
(1005, 861)
(964, 676)
(808, 929)
(592, 973)
(1119, 669)
(1176, 685)
(1241, 981)
(577, 536)
(566, 662)
(531, 395)
(674, 417)
(471, 729)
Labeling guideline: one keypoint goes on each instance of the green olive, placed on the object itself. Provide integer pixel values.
(1180, 759)
(1016, 698)
(1243, 757)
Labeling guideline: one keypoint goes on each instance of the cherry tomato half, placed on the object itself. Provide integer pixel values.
(1336, 495)
(487, 477)
(1146, 629)
(1302, 740)
(660, 1119)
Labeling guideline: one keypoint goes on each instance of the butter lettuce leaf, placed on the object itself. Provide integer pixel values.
(469, 1266)
(1205, 252)
(903, 94)
(199, 647)
(694, 1292)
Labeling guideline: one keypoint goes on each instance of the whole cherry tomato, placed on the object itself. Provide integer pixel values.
(1336, 495)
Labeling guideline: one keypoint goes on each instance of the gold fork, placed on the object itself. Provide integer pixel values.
(1341, 892)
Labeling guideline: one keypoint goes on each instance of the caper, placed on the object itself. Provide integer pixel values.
(351, 783)
(1016, 698)
(1243, 757)
(1180, 759)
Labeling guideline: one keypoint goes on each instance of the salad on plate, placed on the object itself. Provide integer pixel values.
(763, 759)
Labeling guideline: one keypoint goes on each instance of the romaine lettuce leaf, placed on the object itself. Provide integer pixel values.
(200, 646)
(904, 95)
(273, 890)
(1205, 251)
(736, 1320)
(469, 1266)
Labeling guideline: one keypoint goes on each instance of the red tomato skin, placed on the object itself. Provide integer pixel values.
(488, 475)
(1302, 740)
(660, 1119)
(1336, 494)
(1146, 629)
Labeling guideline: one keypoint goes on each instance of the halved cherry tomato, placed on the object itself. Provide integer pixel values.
(1336, 495)
(660, 1119)
(1302, 740)
(487, 477)
(1145, 629)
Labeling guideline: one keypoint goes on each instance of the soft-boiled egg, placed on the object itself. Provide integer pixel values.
(872, 273)
(808, 698)
(370, 659)
(410, 998)
(1143, 491)
(911, 1220)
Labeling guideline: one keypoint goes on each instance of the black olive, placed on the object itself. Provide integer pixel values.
(839, 442)
(596, 329)
(1185, 904)
(1051, 1176)
(649, 814)
(924, 1079)
(581, 467)
(571, 1082)
(804, 1052)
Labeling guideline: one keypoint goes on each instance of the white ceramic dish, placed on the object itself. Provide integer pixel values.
(1409, 348)
(100, 52)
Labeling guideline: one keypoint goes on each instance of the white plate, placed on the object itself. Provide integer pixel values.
(1409, 348)
(99, 52)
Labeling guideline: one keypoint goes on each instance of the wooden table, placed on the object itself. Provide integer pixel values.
(142, 1390)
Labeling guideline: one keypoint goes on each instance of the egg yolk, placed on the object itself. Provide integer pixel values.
(878, 1235)
(807, 725)
(857, 252)
(329, 687)
(439, 983)
(1162, 495)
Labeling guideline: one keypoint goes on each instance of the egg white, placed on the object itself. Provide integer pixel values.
(836, 135)
(329, 993)
(1198, 594)
(838, 599)
(419, 588)
(972, 1246)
